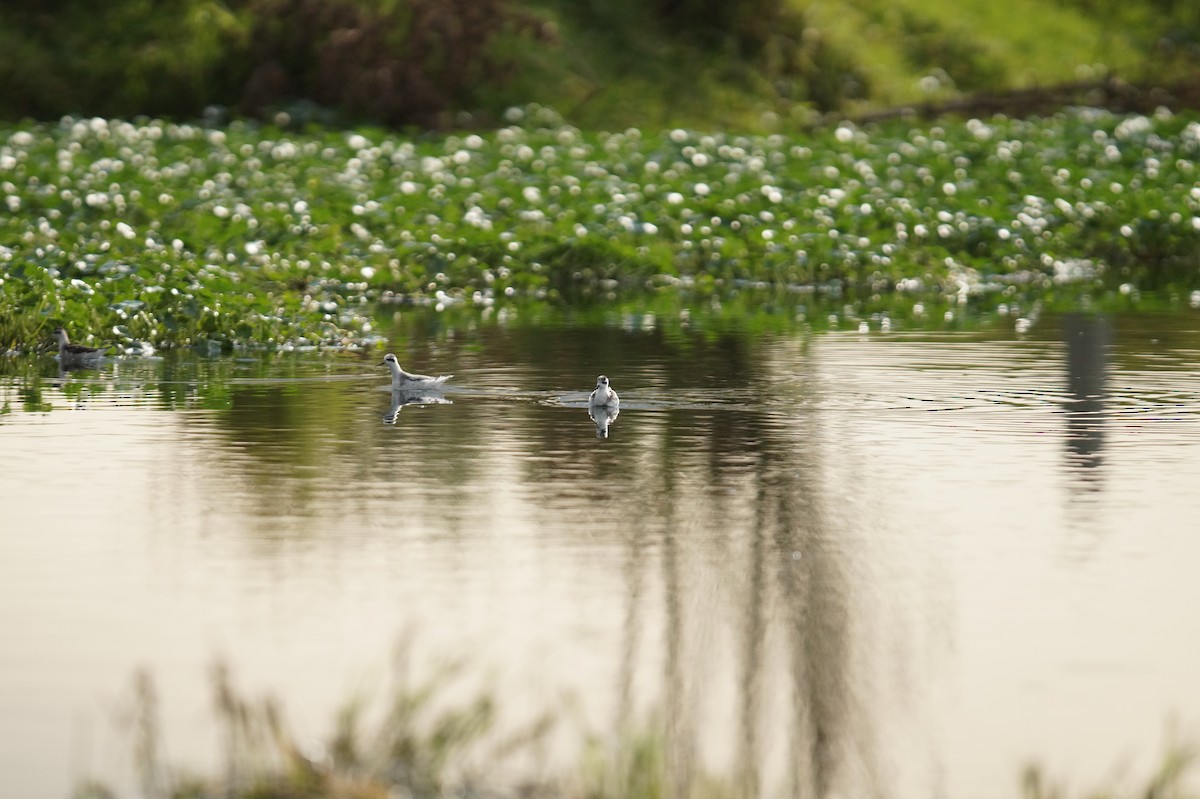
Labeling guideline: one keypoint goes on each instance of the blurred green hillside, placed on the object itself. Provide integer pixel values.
(754, 64)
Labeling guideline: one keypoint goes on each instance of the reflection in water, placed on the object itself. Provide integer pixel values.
(69, 366)
(603, 416)
(728, 534)
(401, 398)
(800, 524)
(1087, 339)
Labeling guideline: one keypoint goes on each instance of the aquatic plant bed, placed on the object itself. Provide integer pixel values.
(151, 234)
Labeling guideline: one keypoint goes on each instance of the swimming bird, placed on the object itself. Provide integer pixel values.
(75, 354)
(407, 381)
(603, 395)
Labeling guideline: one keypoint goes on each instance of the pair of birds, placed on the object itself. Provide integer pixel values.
(602, 397)
(79, 355)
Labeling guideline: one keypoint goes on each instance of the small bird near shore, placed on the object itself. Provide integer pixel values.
(407, 381)
(75, 354)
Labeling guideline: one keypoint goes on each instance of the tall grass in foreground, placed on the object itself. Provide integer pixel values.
(420, 745)
(1169, 781)
(414, 744)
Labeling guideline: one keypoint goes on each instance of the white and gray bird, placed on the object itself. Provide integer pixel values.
(75, 354)
(407, 381)
(603, 395)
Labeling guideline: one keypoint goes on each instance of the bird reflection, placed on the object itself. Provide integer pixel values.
(64, 368)
(603, 416)
(418, 397)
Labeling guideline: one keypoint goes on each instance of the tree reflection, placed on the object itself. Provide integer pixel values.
(739, 603)
(1087, 340)
(726, 534)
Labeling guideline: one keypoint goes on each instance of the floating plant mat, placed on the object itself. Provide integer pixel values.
(152, 234)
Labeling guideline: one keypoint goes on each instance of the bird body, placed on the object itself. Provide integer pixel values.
(603, 395)
(74, 354)
(407, 381)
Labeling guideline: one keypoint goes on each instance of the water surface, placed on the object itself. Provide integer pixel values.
(900, 565)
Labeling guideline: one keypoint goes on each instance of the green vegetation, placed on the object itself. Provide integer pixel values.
(752, 65)
(395, 62)
(150, 234)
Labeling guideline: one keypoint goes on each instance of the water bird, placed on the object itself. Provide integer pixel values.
(603, 395)
(75, 354)
(407, 381)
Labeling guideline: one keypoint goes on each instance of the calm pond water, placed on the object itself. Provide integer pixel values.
(901, 565)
